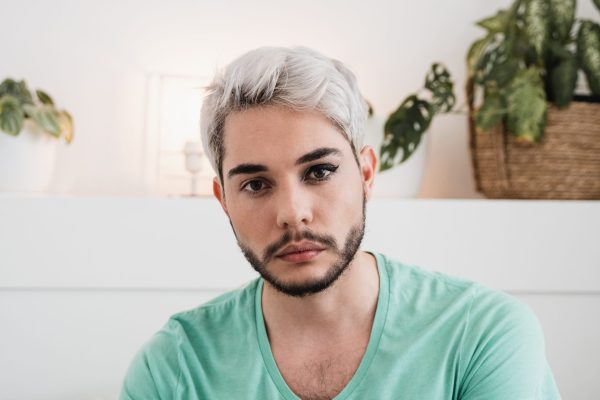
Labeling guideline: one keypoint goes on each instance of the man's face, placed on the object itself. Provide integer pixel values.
(294, 194)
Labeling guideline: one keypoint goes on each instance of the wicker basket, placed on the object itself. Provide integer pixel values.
(566, 165)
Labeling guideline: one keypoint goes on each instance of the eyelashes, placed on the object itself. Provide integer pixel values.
(320, 172)
(313, 175)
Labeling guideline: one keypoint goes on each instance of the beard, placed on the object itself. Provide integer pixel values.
(345, 255)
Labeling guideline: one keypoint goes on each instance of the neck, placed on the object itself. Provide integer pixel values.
(347, 306)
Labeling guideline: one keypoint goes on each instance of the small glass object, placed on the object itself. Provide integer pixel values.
(193, 163)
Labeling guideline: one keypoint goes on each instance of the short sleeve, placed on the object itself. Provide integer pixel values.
(503, 352)
(154, 372)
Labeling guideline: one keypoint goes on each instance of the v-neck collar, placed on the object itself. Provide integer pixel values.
(372, 346)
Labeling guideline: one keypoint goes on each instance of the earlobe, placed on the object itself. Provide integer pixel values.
(368, 167)
(219, 193)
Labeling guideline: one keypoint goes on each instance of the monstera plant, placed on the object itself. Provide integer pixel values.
(405, 126)
(17, 105)
(529, 55)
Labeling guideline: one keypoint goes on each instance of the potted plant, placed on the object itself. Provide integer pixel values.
(531, 137)
(30, 126)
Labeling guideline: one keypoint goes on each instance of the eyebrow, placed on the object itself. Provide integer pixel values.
(246, 169)
(308, 157)
(317, 154)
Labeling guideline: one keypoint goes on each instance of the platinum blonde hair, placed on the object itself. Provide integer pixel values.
(299, 78)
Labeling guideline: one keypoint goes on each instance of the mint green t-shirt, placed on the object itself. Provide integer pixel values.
(433, 337)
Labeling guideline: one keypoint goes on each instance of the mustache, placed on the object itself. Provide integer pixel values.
(287, 237)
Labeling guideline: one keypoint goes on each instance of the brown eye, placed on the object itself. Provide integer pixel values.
(320, 172)
(254, 186)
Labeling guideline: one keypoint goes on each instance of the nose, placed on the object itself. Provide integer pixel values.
(293, 207)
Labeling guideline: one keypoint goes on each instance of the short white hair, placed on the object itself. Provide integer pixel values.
(299, 78)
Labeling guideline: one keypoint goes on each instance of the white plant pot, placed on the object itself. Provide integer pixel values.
(401, 181)
(26, 160)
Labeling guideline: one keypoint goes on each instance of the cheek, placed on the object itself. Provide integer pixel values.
(341, 204)
(250, 223)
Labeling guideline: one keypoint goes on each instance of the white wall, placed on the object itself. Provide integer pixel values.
(106, 273)
(94, 57)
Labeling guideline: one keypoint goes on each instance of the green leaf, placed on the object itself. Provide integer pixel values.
(526, 100)
(18, 90)
(490, 57)
(559, 51)
(476, 51)
(563, 79)
(497, 66)
(44, 98)
(519, 45)
(536, 25)
(11, 115)
(491, 112)
(495, 24)
(439, 82)
(403, 130)
(597, 3)
(588, 53)
(562, 16)
(46, 117)
(503, 72)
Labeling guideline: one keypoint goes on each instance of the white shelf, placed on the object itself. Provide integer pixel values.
(182, 243)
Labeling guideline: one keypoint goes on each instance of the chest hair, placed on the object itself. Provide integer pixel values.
(320, 376)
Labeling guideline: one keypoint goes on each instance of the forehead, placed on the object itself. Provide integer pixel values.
(276, 134)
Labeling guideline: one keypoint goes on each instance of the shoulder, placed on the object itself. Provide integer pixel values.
(223, 309)
(483, 310)
(430, 291)
(496, 311)
(156, 369)
(408, 274)
(480, 302)
(500, 343)
(503, 352)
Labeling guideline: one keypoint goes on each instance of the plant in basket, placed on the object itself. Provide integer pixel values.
(521, 73)
(530, 54)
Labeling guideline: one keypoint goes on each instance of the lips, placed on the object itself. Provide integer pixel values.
(301, 252)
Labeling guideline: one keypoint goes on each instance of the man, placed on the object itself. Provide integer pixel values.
(283, 131)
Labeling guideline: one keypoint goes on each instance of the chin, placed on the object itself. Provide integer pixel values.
(304, 279)
(312, 275)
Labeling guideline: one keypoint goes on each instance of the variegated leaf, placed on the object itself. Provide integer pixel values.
(476, 51)
(562, 13)
(496, 23)
(439, 82)
(588, 53)
(526, 101)
(536, 25)
(46, 117)
(403, 130)
(18, 90)
(11, 115)
(491, 112)
(503, 72)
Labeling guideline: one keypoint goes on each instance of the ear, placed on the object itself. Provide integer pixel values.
(368, 167)
(219, 194)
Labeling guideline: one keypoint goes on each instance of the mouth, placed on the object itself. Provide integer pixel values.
(301, 252)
